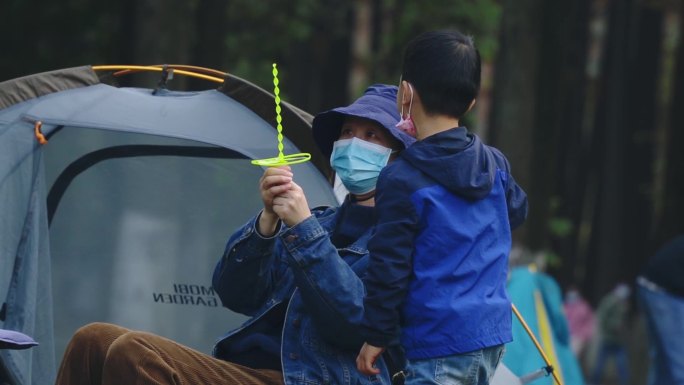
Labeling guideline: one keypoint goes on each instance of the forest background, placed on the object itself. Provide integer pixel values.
(585, 97)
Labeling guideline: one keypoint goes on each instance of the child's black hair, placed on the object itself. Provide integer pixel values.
(444, 68)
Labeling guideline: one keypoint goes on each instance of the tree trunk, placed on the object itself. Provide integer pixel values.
(360, 47)
(671, 222)
(514, 96)
(621, 150)
(319, 68)
(320, 65)
(640, 132)
(606, 244)
(164, 35)
(537, 112)
(558, 144)
(208, 47)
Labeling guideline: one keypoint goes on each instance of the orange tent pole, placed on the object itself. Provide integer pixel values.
(157, 69)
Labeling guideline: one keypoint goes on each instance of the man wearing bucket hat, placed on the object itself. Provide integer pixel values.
(295, 272)
(368, 117)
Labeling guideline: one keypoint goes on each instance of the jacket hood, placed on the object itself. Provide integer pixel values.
(457, 160)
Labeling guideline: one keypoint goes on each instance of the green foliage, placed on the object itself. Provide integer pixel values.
(260, 32)
(479, 19)
(560, 227)
(301, 35)
(551, 259)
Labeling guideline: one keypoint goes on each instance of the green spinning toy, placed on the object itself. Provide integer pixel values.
(280, 160)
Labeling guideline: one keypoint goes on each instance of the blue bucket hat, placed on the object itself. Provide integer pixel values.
(378, 103)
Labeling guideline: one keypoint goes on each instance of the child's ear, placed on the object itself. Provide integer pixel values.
(401, 96)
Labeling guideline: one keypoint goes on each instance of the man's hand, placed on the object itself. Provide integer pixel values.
(365, 361)
(273, 182)
(291, 206)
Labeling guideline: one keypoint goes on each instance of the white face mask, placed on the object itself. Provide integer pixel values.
(358, 163)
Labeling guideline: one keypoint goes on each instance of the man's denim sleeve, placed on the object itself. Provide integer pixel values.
(331, 290)
(246, 273)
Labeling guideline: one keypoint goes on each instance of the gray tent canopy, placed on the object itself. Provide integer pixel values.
(121, 215)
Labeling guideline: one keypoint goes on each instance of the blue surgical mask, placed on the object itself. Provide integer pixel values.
(358, 163)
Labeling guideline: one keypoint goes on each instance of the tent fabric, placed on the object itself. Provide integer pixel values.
(145, 188)
(175, 115)
(297, 121)
(25, 276)
(29, 87)
(538, 298)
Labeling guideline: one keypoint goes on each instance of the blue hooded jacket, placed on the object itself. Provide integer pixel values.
(439, 256)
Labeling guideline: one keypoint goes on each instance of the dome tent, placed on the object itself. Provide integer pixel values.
(116, 202)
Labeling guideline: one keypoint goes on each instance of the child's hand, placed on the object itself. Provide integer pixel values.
(365, 362)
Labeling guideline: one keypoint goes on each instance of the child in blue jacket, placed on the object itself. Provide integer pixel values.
(436, 281)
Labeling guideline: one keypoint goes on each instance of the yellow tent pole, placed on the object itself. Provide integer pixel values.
(536, 343)
(157, 69)
(546, 334)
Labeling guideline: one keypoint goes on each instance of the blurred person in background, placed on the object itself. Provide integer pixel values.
(612, 324)
(581, 320)
(660, 290)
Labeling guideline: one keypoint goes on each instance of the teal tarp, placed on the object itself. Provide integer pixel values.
(522, 357)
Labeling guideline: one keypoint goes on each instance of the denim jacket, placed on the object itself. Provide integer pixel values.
(321, 334)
